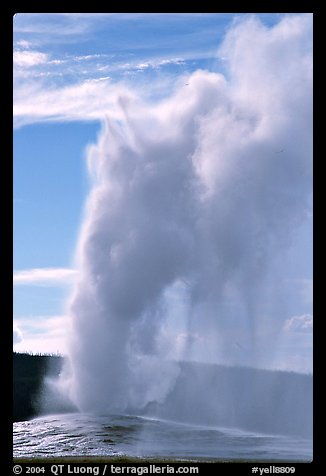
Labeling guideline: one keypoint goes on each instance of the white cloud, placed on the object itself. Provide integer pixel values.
(170, 61)
(39, 97)
(42, 334)
(55, 25)
(57, 61)
(17, 334)
(155, 63)
(303, 323)
(88, 100)
(44, 276)
(28, 59)
(89, 57)
(24, 44)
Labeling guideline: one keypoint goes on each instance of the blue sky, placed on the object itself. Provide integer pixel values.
(69, 70)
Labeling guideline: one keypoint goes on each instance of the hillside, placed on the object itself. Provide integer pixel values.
(266, 401)
(28, 373)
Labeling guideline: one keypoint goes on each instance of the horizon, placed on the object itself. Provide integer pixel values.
(309, 374)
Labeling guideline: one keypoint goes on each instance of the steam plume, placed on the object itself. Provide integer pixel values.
(197, 195)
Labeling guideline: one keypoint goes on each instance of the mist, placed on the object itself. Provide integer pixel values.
(194, 201)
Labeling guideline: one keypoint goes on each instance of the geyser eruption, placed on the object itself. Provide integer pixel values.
(193, 199)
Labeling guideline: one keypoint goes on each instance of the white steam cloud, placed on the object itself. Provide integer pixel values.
(201, 191)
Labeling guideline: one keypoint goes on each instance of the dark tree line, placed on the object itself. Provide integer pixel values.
(29, 371)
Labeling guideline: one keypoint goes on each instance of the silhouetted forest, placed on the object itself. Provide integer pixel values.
(28, 373)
